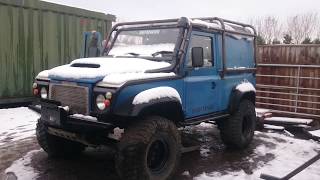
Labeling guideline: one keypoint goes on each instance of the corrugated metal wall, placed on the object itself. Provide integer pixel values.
(288, 79)
(36, 35)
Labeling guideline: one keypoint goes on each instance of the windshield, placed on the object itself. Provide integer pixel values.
(150, 43)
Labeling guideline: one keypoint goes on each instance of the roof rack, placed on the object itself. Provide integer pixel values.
(223, 23)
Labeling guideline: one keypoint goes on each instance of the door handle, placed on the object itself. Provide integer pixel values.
(213, 85)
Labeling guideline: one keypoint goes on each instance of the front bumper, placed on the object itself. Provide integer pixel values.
(53, 114)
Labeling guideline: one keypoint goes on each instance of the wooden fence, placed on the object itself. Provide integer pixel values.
(288, 79)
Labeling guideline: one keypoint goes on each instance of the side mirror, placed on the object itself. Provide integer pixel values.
(197, 56)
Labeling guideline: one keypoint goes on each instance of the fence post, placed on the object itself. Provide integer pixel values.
(297, 89)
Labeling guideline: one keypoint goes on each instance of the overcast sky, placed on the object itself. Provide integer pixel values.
(231, 9)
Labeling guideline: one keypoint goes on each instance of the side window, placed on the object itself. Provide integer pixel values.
(204, 42)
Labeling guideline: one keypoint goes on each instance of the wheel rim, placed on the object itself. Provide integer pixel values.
(157, 156)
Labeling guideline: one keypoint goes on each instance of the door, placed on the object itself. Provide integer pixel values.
(202, 92)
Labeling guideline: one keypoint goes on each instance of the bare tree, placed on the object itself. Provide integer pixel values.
(309, 23)
(317, 29)
(295, 29)
(302, 26)
(269, 28)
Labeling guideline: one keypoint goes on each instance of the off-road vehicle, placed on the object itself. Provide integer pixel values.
(152, 78)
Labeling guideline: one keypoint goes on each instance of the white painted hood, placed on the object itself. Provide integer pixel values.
(107, 70)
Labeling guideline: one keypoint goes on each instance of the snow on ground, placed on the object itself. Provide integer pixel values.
(288, 120)
(17, 124)
(262, 110)
(315, 133)
(289, 153)
(272, 127)
(21, 169)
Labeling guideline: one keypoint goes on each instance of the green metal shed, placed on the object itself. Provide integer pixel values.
(37, 35)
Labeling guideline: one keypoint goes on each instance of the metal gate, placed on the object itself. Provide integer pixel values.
(289, 89)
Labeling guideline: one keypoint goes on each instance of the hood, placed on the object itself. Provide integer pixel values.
(96, 69)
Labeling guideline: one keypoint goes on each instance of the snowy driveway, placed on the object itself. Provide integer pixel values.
(270, 152)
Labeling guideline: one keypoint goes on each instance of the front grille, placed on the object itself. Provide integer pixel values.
(76, 97)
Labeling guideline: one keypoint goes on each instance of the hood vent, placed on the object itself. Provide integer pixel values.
(85, 65)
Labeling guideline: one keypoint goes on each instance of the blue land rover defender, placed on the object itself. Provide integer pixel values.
(151, 78)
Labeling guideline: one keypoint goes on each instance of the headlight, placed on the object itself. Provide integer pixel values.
(101, 102)
(108, 95)
(44, 93)
(34, 85)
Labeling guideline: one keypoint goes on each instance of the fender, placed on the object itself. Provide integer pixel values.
(129, 109)
(157, 105)
(154, 97)
(237, 96)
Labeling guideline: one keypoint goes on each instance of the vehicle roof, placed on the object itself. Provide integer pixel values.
(204, 22)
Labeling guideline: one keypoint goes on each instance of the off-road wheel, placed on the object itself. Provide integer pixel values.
(238, 130)
(149, 150)
(55, 146)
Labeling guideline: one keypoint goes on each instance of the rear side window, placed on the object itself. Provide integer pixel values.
(204, 42)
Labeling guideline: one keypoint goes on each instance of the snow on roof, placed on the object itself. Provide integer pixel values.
(245, 86)
(107, 67)
(156, 93)
(205, 23)
(249, 30)
(216, 24)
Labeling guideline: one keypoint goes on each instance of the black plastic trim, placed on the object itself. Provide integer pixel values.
(66, 121)
(236, 97)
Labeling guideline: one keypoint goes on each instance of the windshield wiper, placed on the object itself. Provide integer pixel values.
(161, 52)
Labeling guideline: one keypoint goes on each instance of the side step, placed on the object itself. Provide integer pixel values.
(205, 118)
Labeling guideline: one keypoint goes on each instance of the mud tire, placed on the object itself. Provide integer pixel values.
(135, 158)
(55, 146)
(238, 130)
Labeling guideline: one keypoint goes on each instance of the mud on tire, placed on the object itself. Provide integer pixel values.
(150, 149)
(55, 146)
(238, 130)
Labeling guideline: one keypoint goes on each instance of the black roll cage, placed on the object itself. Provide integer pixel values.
(185, 27)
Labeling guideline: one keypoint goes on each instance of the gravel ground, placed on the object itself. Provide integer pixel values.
(271, 152)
